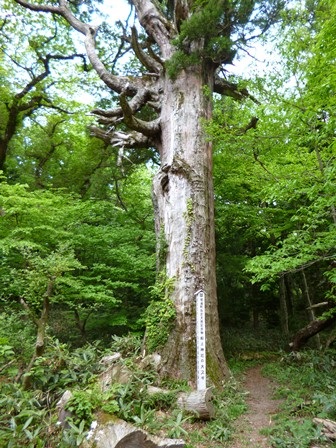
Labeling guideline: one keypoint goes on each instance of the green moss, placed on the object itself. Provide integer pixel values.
(180, 61)
(162, 249)
(161, 313)
(104, 418)
(189, 217)
(213, 371)
(160, 318)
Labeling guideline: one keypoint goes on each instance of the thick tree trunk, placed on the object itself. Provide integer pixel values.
(184, 210)
(183, 189)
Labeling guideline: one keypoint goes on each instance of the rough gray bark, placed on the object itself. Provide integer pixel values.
(184, 211)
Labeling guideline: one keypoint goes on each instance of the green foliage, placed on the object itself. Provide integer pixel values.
(128, 345)
(162, 400)
(206, 24)
(291, 434)
(131, 401)
(6, 351)
(81, 404)
(175, 424)
(160, 314)
(180, 61)
(53, 235)
(24, 418)
(204, 20)
(28, 417)
(230, 402)
(75, 435)
(247, 342)
(17, 331)
(306, 381)
(273, 183)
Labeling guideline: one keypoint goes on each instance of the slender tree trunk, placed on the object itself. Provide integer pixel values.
(290, 291)
(41, 325)
(310, 309)
(184, 209)
(283, 307)
(81, 323)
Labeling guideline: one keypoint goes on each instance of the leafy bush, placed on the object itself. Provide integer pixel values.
(17, 331)
(28, 416)
(82, 404)
(293, 434)
(128, 345)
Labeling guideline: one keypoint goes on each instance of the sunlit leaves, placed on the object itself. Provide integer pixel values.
(86, 248)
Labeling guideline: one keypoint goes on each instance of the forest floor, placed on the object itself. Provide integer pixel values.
(261, 409)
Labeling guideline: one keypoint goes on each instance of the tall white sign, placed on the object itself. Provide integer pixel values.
(200, 340)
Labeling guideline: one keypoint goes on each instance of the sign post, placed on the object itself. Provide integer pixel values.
(200, 340)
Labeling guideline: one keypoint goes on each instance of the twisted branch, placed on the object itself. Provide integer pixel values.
(116, 83)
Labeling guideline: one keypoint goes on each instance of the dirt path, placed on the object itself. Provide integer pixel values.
(261, 408)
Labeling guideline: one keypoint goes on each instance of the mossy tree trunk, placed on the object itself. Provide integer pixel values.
(184, 211)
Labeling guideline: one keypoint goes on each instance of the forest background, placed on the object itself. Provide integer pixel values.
(76, 215)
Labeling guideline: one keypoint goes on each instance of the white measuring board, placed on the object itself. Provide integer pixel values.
(200, 340)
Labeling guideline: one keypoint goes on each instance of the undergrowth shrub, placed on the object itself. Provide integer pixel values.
(306, 384)
(28, 417)
(18, 332)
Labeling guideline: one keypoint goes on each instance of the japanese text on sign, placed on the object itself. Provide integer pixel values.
(200, 340)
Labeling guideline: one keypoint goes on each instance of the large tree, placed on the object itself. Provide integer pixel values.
(182, 48)
(35, 76)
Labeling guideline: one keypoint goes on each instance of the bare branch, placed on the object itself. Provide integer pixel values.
(263, 166)
(131, 139)
(156, 25)
(37, 79)
(148, 128)
(41, 8)
(227, 88)
(146, 60)
(135, 104)
(116, 83)
(47, 103)
(317, 305)
(32, 104)
(252, 124)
